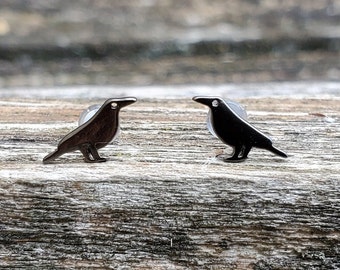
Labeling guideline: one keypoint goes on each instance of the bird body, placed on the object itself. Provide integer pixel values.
(232, 129)
(94, 134)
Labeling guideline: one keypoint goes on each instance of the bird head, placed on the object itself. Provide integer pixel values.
(118, 103)
(216, 103)
(211, 102)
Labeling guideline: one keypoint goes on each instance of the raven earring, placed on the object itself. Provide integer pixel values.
(98, 126)
(227, 120)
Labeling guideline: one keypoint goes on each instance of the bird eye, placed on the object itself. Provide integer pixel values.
(113, 105)
(215, 103)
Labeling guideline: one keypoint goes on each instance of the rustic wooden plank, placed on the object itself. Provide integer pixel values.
(162, 200)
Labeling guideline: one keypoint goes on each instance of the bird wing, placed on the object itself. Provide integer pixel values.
(246, 122)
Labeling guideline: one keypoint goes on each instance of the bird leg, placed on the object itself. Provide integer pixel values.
(240, 154)
(95, 154)
(90, 153)
(245, 151)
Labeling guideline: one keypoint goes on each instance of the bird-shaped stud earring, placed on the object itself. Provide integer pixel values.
(228, 122)
(99, 125)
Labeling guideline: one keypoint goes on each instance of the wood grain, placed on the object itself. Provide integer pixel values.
(162, 200)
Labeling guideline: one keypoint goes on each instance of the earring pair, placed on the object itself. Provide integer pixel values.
(99, 125)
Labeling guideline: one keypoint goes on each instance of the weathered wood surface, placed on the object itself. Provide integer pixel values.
(162, 201)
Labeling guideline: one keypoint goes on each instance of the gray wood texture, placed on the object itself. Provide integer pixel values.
(162, 200)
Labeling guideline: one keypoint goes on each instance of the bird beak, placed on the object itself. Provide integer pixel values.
(202, 100)
(127, 101)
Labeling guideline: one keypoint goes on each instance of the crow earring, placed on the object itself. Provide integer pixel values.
(227, 120)
(98, 126)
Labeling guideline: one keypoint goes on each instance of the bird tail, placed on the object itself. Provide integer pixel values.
(277, 151)
(52, 156)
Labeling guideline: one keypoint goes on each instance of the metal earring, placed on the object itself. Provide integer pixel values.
(98, 126)
(227, 120)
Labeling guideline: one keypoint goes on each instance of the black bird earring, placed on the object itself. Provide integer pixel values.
(228, 122)
(99, 125)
